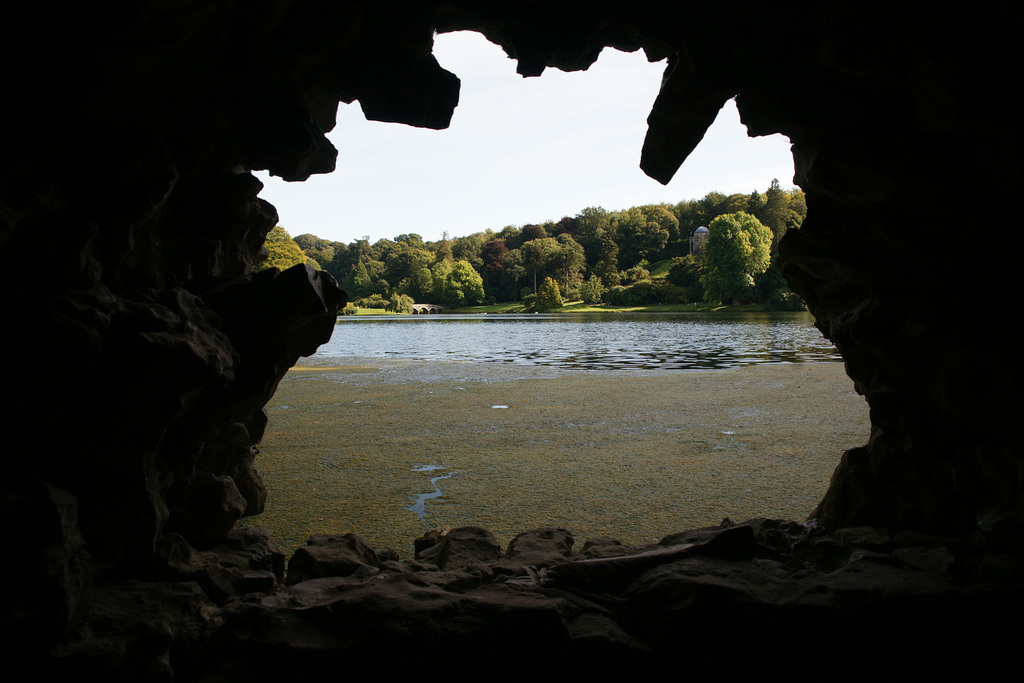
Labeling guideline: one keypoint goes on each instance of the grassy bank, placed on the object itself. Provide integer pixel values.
(580, 307)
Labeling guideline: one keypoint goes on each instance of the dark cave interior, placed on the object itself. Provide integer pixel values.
(129, 166)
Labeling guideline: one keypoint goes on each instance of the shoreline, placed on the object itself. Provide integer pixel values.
(635, 455)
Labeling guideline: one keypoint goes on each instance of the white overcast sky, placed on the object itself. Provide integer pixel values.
(518, 151)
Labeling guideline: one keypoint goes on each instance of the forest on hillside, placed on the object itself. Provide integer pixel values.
(637, 256)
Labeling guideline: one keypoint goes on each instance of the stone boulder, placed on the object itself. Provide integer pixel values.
(539, 547)
(333, 555)
(457, 548)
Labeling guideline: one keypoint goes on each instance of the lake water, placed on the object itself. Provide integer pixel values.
(588, 341)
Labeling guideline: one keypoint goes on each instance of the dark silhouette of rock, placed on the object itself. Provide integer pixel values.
(333, 555)
(140, 351)
(539, 544)
(792, 586)
(459, 547)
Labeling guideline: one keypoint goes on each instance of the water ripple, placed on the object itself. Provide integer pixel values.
(618, 341)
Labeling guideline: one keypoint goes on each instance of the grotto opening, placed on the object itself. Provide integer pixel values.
(140, 352)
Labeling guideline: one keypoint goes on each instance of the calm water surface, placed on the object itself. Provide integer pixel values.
(588, 341)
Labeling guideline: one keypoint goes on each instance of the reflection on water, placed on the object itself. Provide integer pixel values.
(419, 506)
(586, 341)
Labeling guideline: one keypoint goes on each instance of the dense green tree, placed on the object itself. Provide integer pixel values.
(439, 273)
(282, 251)
(493, 266)
(319, 250)
(637, 273)
(421, 284)
(412, 239)
(592, 291)
(609, 241)
(358, 281)
(664, 218)
(607, 266)
(739, 246)
(307, 242)
(548, 298)
(340, 263)
(400, 303)
(768, 282)
(443, 249)
(755, 203)
(628, 228)
(463, 286)
(403, 265)
(537, 254)
(360, 250)
(381, 248)
(711, 206)
(469, 248)
(534, 232)
(568, 260)
(797, 208)
(379, 284)
(640, 294)
(563, 226)
(593, 226)
(513, 272)
(366, 279)
(775, 212)
(512, 236)
(686, 273)
(689, 220)
(784, 300)
(491, 254)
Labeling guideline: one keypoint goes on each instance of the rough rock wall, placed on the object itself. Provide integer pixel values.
(900, 132)
(140, 353)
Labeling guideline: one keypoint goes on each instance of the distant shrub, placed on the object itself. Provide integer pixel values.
(646, 293)
(670, 294)
(785, 300)
(400, 303)
(372, 301)
(592, 290)
(612, 294)
(685, 273)
(636, 274)
(548, 298)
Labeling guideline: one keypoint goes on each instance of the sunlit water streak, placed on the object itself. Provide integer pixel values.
(419, 506)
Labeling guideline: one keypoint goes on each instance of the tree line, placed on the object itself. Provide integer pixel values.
(641, 255)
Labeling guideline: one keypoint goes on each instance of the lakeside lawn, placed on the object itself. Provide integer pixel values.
(580, 307)
(363, 310)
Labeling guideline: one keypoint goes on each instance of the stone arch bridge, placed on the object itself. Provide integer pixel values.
(424, 309)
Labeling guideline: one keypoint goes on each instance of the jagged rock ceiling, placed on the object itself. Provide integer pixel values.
(140, 353)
